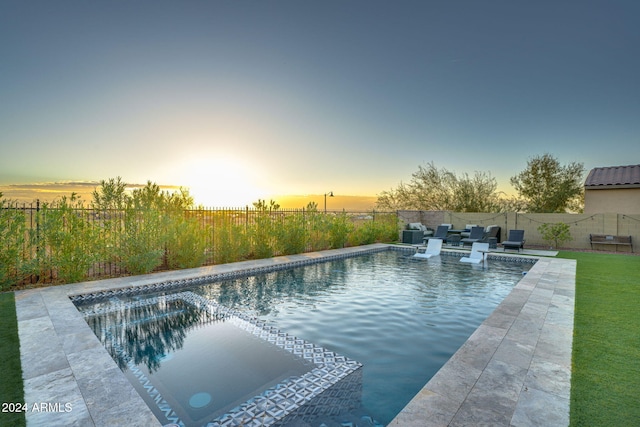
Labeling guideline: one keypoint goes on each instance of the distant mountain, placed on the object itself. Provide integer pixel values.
(336, 203)
(51, 191)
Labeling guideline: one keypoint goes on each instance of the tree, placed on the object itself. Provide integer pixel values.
(439, 189)
(548, 187)
(111, 194)
(555, 233)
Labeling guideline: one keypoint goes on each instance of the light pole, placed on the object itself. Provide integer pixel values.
(330, 194)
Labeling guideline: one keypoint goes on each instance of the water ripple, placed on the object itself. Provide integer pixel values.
(401, 318)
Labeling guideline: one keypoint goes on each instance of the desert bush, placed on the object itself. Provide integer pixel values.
(556, 234)
(292, 234)
(186, 243)
(375, 228)
(65, 241)
(231, 242)
(141, 246)
(13, 232)
(319, 225)
(262, 230)
(340, 227)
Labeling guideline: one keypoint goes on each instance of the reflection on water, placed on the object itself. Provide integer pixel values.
(400, 317)
(194, 361)
(148, 332)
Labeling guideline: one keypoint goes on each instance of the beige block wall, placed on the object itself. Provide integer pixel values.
(580, 225)
(620, 200)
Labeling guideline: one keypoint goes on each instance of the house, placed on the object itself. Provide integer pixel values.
(613, 189)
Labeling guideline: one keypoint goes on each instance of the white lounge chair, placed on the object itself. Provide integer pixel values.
(433, 248)
(477, 253)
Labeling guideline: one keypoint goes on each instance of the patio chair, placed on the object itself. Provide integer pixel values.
(476, 234)
(441, 233)
(491, 236)
(477, 253)
(419, 226)
(433, 249)
(515, 240)
(467, 228)
(491, 231)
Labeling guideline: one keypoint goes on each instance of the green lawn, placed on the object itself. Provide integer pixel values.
(605, 382)
(11, 390)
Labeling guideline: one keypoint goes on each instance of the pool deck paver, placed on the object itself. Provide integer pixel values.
(515, 368)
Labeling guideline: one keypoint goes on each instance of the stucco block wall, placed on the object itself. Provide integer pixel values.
(580, 225)
(620, 200)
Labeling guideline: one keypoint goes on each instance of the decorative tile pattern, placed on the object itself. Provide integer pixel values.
(274, 404)
(176, 284)
(494, 256)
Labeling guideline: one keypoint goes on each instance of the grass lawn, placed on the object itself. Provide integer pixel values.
(605, 382)
(11, 390)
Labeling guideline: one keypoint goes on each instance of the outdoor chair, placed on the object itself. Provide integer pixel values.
(477, 253)
(476, 234)
(491, 231)
(491, 236)
(441, 233)
(515, 240)
(433, 248)
(468, 228)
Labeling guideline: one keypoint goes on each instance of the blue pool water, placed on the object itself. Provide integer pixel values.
(401, 318)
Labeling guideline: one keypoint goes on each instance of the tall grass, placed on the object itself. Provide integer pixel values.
(151, 230)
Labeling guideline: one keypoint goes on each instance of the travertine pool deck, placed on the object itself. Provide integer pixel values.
(514, 370)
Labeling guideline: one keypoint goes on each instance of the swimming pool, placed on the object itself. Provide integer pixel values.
(401, 318)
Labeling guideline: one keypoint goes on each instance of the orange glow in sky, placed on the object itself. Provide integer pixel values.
(218, 181)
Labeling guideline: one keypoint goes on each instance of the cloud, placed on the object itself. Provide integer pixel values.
(51, 191)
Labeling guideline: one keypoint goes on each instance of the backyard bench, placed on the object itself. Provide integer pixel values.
(608, 239)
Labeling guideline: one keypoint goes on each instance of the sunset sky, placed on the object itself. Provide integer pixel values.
(240, 100)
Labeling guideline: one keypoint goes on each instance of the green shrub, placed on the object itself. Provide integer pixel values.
(262, 230)
(185, 244)
(319, 225)
(339, 229)
(13, 232)
(557, 233)
(292, 234)
(65, 241)
(141, 245)
(364, 234)
(231, 242)
(387, 226)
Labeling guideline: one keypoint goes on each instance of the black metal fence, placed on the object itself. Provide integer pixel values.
(63, 243)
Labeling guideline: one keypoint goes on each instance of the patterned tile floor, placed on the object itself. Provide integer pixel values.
(514, 370)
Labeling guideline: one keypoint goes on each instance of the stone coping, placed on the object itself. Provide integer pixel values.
(515, 369)
(65, 365)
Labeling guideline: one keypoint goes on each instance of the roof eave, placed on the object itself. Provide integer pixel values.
(610, 186)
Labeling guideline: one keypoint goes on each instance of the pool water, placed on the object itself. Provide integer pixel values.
(400, 317)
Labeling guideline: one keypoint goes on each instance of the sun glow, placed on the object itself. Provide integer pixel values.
(219, 182)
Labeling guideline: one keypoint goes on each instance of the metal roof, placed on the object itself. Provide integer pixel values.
(614, 176)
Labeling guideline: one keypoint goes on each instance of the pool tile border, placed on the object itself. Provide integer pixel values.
(57, 346)
(276, 402)
(194, 281)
